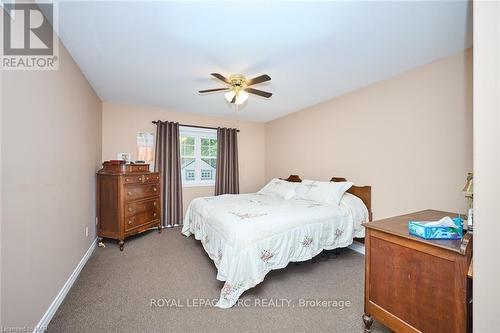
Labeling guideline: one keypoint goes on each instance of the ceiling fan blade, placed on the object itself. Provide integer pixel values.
(221, 77)
(258, 92)
(258, 79)
(213, 90)
(233, 100)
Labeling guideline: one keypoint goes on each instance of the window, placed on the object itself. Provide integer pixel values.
(145, 151)
(190, 175)
(198, 156)
(206, 174)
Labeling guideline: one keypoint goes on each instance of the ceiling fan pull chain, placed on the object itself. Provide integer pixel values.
(237, 119)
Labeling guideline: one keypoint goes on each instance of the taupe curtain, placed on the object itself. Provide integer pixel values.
(168, 163)
(226, 177)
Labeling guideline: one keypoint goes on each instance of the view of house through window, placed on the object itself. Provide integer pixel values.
(198, 156)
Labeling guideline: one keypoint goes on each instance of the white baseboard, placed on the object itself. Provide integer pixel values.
(47, 317)
(358, 247)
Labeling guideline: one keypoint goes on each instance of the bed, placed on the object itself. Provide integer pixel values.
(248, 235)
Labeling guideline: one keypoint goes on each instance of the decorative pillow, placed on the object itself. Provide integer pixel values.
(329, 193)
(279, 188)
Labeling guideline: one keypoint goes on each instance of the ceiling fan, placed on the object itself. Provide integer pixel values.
(239, 87)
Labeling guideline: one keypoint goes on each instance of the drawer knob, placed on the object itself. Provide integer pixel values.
(129, 193)
(129, 222)
(126, 179)
(130, 209)
(154, 203)
(157, 177)
(154, 189)
(154, 214)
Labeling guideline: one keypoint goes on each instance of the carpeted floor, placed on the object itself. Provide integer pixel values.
(115, 289)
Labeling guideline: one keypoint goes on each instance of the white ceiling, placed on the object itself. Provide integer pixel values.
(161, 53)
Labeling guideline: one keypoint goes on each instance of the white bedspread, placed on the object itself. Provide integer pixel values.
(247, 235)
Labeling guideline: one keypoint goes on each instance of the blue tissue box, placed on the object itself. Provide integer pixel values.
(429, 232)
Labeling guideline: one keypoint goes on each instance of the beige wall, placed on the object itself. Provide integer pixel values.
(120, 125)
(486, 166)
(1, 201)
(51, 147)
(410, 137)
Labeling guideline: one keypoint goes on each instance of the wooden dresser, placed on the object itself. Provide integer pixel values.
(128, 200)
(413, 284)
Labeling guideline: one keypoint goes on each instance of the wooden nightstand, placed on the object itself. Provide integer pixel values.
(413, 284)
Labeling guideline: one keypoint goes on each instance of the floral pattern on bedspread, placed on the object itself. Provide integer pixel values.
(245, 252)
(229, 290)
(338, 233)
(266, 255)
(219, 256)
(244, 216)
(307, 242)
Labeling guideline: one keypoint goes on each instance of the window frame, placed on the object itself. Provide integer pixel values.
(198, 134)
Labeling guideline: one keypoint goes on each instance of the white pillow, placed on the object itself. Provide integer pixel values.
(329, 193)
(279, 188)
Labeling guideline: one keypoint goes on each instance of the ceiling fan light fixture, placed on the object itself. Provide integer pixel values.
(241, 96)
(229, 95)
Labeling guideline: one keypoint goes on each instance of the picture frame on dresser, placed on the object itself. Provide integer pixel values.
(128, 200)
(127, 157)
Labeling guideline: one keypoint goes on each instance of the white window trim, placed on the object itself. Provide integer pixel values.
(198, 133)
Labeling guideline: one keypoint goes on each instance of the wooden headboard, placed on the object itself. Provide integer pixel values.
(362, 192)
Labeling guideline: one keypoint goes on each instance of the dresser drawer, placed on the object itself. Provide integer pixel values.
(149, 178)
(153, 178)
(133, 179)
(135, 207)
(141, 191)
(138, 167)
(141, 219)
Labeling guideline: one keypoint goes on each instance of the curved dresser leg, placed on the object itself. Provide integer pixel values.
(121, 243)
(368, 321)
(159, 229)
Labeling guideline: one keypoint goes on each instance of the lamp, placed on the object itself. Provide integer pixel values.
(468, 191)
(241, 96)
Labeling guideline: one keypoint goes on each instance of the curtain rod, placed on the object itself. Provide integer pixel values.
(195, 126)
